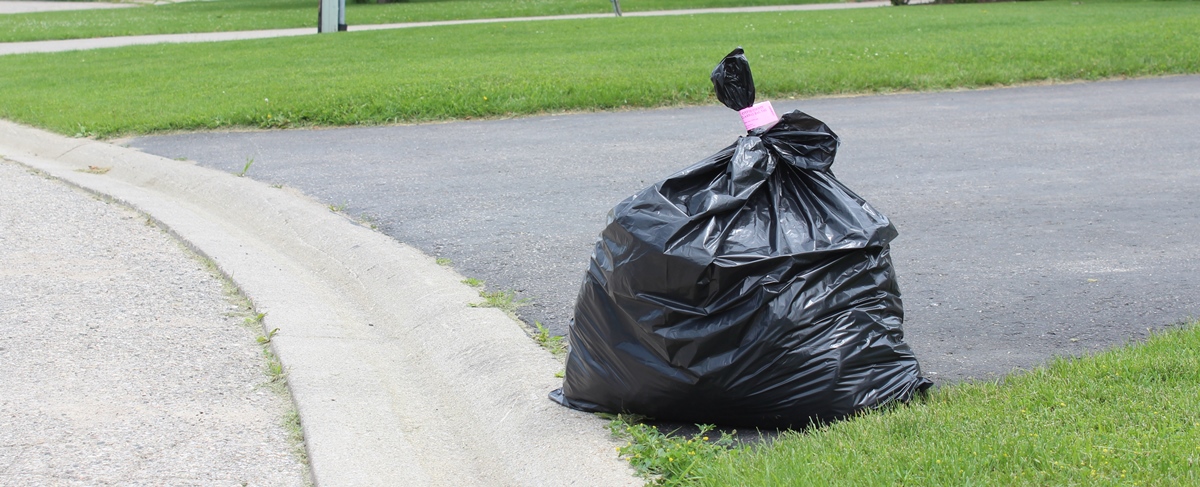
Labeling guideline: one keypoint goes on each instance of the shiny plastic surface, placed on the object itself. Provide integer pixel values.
(733, 82)
(751, 288)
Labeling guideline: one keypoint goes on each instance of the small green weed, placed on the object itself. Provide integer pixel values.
(252, 319)
(291, 422)
(442, 261)
(265, 339)
(81, 131)
(275, 371)
(549, 342)
(473, 282)
(504, 300)
(255, 318)
(369, 221)
(337, 208)
(246, 168)
(664, 459)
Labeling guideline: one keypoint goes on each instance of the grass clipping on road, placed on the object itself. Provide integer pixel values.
(497, 70)
(1129, 416)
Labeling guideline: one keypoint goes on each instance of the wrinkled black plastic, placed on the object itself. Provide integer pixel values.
(733, 82)
(751, 288)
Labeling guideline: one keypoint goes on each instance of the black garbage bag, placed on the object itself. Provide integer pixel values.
(750, 289)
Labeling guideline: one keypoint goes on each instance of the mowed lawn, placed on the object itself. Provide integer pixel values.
(1122, 418)
(233, 15)
(454, 72)
(1126, 417)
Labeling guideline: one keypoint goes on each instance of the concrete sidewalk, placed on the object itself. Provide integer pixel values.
(32, 6)
(397, 378)
(106, 42)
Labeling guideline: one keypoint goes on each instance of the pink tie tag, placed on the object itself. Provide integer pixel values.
(758, 115)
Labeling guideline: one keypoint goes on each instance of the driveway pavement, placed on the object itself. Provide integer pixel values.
(1034, 221)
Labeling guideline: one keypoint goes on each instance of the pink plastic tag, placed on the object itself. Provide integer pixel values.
(758, 115)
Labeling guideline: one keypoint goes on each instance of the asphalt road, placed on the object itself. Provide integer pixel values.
(1034, 221)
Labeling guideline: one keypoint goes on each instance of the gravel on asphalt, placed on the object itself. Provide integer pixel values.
(123, 361)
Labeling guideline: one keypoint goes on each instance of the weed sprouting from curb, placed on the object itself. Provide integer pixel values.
(664, 459)
(246, 168)
(253, 320)
(265, 339)
(505, 301)
(277, 380)
(549, 342)
(291, 421)
(276, 375)
(369, 221)
(442, 261)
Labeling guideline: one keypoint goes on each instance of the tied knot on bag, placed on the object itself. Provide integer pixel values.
(733, 82)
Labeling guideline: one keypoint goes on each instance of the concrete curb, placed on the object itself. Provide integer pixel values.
(398, 380)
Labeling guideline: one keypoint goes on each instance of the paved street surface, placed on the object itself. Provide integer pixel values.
(1034, 221)
(119, 361)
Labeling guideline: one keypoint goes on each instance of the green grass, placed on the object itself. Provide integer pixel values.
(667, 459)
(1130, 416)
(552, 343)
(457, 72)
(505, 301)
(295, 431)
(234, 15)
(246, 168)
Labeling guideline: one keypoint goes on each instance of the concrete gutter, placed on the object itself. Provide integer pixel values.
(398, 380)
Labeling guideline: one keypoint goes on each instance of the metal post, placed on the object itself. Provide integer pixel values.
(617, 7)
(329, 16)
(341, 15)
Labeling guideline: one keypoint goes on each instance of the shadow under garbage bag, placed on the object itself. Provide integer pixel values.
(751, 289)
